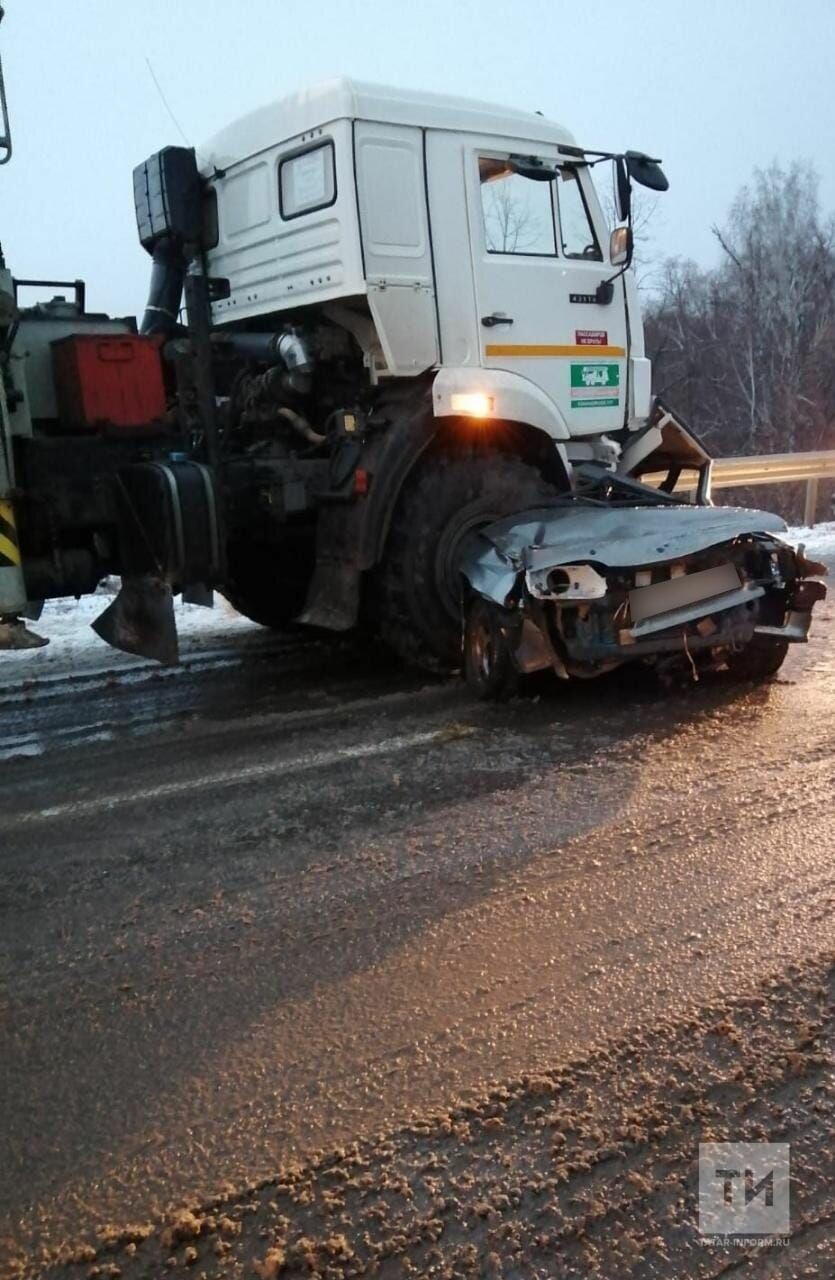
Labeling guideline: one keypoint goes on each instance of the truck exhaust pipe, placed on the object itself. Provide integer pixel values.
(288, 350)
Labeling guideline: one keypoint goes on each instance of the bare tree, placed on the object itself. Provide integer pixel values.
(747, 350)
(510, 221)
(779, 274)
(644, 209)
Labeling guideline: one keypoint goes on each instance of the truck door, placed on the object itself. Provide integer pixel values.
(394, 224)
(538, 256)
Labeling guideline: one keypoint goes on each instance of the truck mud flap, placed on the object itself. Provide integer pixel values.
(141, 620)
(169, 540)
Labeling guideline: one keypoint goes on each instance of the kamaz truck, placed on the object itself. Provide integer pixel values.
(390, 377)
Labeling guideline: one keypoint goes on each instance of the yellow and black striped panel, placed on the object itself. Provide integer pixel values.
(9, 550)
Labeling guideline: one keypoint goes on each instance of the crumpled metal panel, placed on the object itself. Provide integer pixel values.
(488, 572)
(617, 537)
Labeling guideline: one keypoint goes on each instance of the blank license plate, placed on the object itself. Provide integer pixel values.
(675, 593)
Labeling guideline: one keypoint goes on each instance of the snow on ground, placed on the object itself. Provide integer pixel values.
(818, 539)
(75, 649)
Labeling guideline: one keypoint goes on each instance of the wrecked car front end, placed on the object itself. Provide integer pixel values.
(580, 588)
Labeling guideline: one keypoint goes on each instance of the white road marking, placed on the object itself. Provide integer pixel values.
(234, 777)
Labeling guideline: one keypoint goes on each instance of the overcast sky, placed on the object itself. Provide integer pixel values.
(715, 87)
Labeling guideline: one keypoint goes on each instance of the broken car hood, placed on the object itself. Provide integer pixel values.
(616, 537)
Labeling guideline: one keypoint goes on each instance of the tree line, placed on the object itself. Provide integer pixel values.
(745, 350)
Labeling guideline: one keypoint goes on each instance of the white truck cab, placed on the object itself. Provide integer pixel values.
(446, 235)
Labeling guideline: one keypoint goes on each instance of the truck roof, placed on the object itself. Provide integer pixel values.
(343, 98)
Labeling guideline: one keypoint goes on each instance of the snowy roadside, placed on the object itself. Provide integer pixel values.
(818, 539)
(74, 649)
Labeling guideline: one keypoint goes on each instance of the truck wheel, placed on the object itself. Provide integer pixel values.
(488, 663)
(446, 498)
(761, 659)
(268, 584)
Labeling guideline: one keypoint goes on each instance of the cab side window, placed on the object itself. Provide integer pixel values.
(518, 212)
(577, 237)
(307, 181)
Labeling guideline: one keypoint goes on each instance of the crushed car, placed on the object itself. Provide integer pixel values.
(583, 585)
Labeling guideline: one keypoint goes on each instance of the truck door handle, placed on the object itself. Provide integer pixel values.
(495, 318)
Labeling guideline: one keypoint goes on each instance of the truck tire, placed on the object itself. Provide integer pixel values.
(266, 583)
(447, 497)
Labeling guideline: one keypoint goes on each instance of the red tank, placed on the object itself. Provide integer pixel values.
(108, 380)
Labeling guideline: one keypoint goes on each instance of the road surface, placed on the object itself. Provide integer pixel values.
(262, 909)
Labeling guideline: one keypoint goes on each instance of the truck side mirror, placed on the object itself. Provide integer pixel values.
(532, 167)
(623, 190)
(646, 171)
(620, 246)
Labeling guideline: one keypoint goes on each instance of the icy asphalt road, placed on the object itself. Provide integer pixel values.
(269, 908)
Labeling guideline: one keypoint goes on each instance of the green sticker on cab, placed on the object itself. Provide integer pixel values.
(595, 385)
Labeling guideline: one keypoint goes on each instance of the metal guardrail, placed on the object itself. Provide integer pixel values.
(772, 468)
